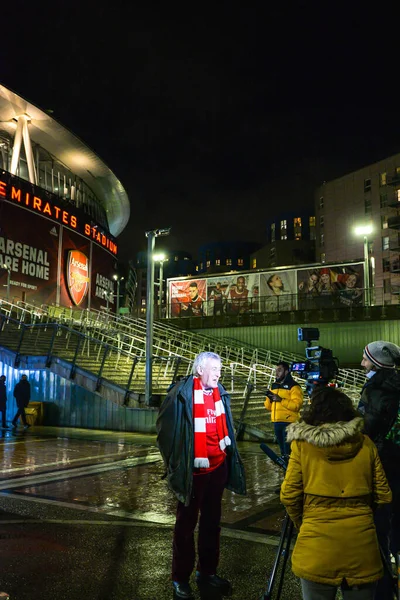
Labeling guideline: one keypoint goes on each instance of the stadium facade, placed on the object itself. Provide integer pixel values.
(61, 209)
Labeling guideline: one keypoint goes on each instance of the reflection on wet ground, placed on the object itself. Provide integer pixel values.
(125, 477)
(94, 502)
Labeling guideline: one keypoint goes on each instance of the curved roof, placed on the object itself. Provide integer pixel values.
(72, 152)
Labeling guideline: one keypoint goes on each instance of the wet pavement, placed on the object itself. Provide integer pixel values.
(85, 514)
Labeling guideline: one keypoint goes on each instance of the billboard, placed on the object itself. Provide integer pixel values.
(331, 286)
(268, 291)
(48, 262)
(232, 294)
(188, 298)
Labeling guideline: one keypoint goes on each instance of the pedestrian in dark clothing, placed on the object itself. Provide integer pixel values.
(3, 401)
(197, 442)
(379, 404)
(22, 394)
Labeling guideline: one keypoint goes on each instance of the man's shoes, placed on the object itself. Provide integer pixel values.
(26, 426)
(14, 425)
(182, 589)
(214, 581)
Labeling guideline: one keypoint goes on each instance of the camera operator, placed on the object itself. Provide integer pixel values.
(284, 401)
(379, 405)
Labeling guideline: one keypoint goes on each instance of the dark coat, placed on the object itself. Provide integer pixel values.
(22, 393)
(3, 395)
(379, 405)
(176, 443)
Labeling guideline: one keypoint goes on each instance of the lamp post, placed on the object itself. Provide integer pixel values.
(118, 280)
(160, 258)
(8, 269)
(151, 240)
(365, 231)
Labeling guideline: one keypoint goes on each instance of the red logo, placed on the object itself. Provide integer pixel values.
(77, 275)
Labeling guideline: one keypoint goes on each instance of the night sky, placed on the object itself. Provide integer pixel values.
(214, 118)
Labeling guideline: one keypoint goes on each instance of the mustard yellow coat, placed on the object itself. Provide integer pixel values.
(334, 477)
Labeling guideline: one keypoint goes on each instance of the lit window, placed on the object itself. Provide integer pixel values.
(398, 195)
(385, 243)
(367, 185)
(254, 263)
(283, 224)
(228, 262)
(283, 236)
(323, 257)
(208, 263)
(297, 221)
(384, 222)
(297, 235)
(321, 221)
(217, 262)
(382, 179)
(273, 232)
(311, 222)
(321, 202)
(176, 258)
(322, 239)
(397, 170)
(197, 267)
(240, 262)
(201, 266)
(143, 301)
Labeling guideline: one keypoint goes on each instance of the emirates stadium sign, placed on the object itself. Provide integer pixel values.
(77, 276)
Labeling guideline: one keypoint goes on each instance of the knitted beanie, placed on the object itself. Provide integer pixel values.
(383, 355)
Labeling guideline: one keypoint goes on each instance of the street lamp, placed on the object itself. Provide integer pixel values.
(365, 230)
(8, 269)
(118, 280)
(160, 258)
(151, 241)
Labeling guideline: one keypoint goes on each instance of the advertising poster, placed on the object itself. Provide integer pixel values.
(330, 287)
(104, 287)
(233, 294)
(278, 291)
(75, 270)
(187, 298)
(29, 249)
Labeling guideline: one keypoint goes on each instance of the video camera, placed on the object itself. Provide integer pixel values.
(321, 367)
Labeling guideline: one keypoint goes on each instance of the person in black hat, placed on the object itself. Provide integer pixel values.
(379, 404)
(3, 401)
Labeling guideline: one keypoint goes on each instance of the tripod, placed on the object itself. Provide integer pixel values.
(284, 540)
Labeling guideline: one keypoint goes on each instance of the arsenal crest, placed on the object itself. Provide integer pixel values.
(77, 275)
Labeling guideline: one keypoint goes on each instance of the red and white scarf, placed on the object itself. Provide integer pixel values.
(199, 419)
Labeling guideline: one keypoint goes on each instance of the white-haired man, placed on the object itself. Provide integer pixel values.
(379, 404)
(197, 442)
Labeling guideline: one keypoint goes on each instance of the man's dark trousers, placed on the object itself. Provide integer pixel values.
(20, 412)
(280, 434)
(3, 416)
(206, 497)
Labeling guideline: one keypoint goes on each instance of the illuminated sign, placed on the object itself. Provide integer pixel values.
(18, 195)
(77, 275)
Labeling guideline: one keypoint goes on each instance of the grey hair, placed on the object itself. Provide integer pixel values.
(201, 358)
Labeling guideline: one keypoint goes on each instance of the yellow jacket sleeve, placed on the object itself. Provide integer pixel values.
(268, 404)
(295, 402)
(292, 490)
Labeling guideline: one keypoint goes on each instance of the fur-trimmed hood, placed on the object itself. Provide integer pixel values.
(342, 438)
